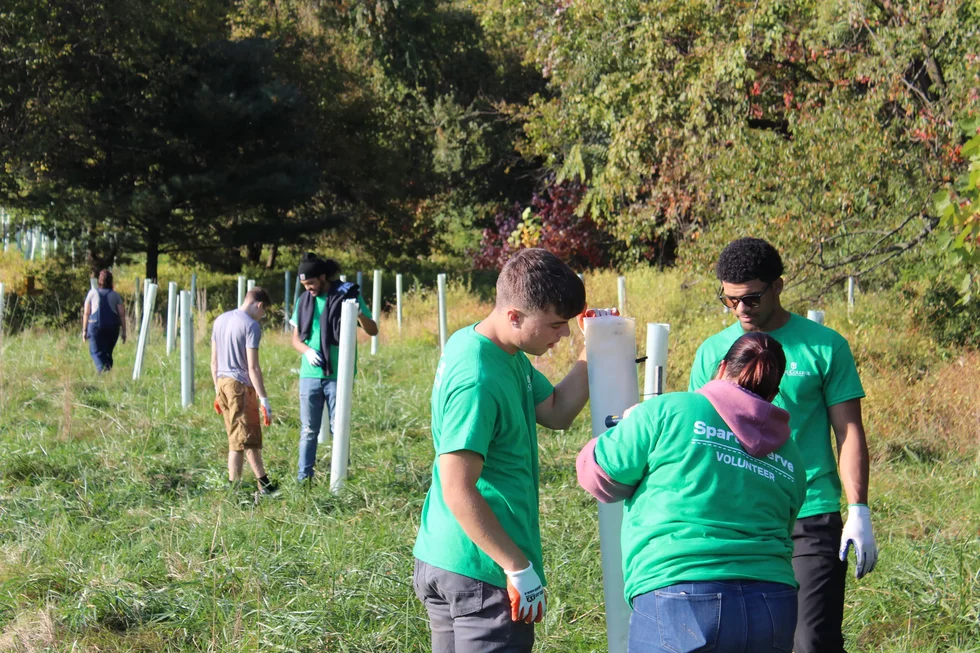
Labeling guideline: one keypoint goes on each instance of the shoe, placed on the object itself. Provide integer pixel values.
(270, 488)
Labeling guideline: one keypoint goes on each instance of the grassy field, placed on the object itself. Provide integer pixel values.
(118, 531)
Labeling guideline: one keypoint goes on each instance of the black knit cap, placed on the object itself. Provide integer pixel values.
(311, 267)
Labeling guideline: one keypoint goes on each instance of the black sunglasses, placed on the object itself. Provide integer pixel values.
(748, 301)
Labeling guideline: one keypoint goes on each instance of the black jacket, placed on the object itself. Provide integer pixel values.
(329, 318)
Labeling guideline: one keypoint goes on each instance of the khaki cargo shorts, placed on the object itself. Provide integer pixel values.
(240, 407)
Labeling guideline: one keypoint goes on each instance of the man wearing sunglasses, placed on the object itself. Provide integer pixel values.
(820, 389)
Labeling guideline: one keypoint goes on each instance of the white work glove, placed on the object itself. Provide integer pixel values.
(313, 357)
(526, 594)
(857, 530)
(266, 410)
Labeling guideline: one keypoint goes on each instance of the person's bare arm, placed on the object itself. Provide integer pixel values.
(214, 364)
(255, 372)
(458, 473)
(298, 344)
(852, 449)
(370, 326)
(561, 408)
(122, 320)
(86, 311)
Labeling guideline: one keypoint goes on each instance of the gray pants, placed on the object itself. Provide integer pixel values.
(467, 615)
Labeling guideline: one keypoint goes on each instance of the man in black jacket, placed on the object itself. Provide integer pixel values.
(316, 319)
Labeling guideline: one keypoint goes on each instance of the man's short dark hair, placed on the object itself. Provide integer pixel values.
(259, 295)
(746, 259)
(537, 280)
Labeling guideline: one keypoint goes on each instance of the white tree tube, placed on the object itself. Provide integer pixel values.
(441, 284)
(343, 278)
(657, 335)
(172, 317)
(816, 316)
(376, 308)
(93, 283)
(360, 279)
(3, 299)
(249, 285)
(193, 290)
(613, 387)
(148, 299)
(398, 300)
(345, 394)
(850, 292)
(241, 291)
(621, 287)
(186, 350)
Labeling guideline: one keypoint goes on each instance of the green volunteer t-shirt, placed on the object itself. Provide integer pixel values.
(307, 371)
(704, 509)
(820, 372)
(483, 400)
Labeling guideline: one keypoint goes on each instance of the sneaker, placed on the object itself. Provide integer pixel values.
(269, 488)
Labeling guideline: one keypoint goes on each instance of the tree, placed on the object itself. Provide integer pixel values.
(959, 211)
(152, 131)
(822, 126)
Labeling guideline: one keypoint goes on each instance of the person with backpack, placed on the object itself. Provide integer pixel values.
(103, 321)
(316, 335)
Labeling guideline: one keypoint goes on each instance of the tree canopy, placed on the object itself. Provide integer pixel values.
(628, 132)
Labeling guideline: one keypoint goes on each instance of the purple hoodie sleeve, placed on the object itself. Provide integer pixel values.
(596, 481)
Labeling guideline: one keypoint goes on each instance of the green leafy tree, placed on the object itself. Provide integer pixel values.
(959, 211)
(822, 126)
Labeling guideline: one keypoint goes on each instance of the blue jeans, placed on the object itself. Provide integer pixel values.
(101, 342)
(736, 616)
(313, 393)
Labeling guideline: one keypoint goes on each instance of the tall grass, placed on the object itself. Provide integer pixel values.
(118, 531)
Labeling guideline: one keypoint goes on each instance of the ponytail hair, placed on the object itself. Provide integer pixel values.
(756, 362)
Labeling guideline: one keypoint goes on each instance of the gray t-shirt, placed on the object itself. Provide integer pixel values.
(233, 332)
(92, 299)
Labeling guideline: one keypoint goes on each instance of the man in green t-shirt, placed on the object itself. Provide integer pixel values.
(316, 322)
(820, 389)
(478, 567)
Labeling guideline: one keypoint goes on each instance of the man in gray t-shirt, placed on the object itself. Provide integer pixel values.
(238, 385)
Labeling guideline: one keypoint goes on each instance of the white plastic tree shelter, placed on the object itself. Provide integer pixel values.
(3, 298)
(657, 335)
(441, 284)
(148, 299)
(398, 300)
(360, 279)
(186, 350)
(193, 289)
(376, 307)
(340, 451)
(613, 387)
(241, 291)
(343, 278)
(816, 316)
(621, 287)
(93, 283)
(850, 292)
(248, 287)
(172, 316)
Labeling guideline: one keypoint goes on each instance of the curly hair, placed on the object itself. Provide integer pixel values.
(746, 259)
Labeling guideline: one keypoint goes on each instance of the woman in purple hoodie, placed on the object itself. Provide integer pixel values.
(712, 484)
